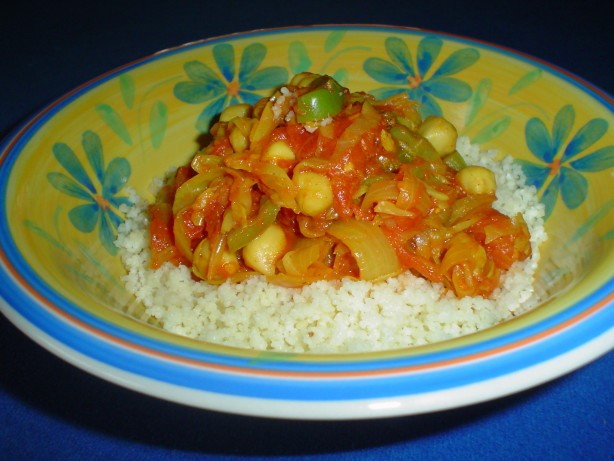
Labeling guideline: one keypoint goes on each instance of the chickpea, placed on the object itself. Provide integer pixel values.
(238, 140)
(314, 192)
(264, 251)
(440, 133)
(477, 180)
(278, 150)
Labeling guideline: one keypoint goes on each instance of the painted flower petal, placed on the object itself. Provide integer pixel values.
(127, 89)
(492, 129)
(84, 217)
(428, 50)
(586, 136)
(384, 72)
(158, 121)
(536, 174)
(92, 146)
(203, 123)
(400, 55)
(429, 106)
(342, 76)
(269, 77)
(68, 186)
(298, 57)
(333, 39)
(574, 187)
(538, 140)
(251, 59)
(116, 177)
(224, 55)
(196, 93)
(561, 127)
(112, 118)
(114, 218)
(200, 72)
(448, 89)
(600, 160)
(416, 93)
(71, 163)
(457, 61)
(116, 201)
(478, 99)
(550, 196)
(106, 234)
(249, 97)
(525, 81)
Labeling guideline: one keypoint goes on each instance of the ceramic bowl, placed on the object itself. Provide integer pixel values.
(65, 171)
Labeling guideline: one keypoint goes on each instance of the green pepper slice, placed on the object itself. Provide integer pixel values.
(455, 161)
(326, 99)
(411, 145)
(238, 238)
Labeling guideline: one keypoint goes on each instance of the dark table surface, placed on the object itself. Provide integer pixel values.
(50, 410)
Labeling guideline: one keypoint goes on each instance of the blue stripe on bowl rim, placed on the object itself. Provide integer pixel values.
(284, 376)
(336, 380)
(585, 86)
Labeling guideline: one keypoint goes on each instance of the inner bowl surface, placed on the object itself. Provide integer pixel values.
(65, 172)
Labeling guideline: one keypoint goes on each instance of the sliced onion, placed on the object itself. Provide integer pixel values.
(306, 253)
(413, 194)
(374, 255)
(378, 191)
(280, 187)
(262, 128)
(463, 249)
(466, 207)
(193, 187)
(352, 134)
(390, 208)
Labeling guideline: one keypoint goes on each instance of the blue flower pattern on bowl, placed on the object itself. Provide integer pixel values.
(205, 85)
(402, 75)
(564, 153)
(559, 169)
(561, 166)
(101, 203)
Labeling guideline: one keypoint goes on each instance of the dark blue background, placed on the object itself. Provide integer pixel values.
(52, 411)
